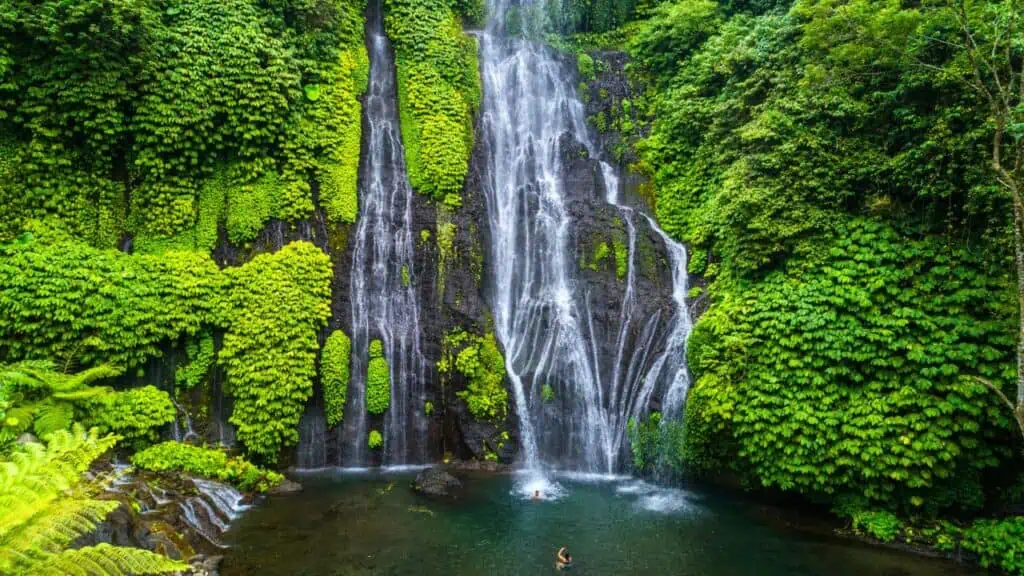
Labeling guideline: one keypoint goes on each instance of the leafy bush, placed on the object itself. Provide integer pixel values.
(375, 440)
(656, 444)
(438, 92)
(135, 415)
(160, 97)
(334, 372)
(480, 362)
(274, 307)
(585, 64)
(874, 400)
(212, 463)
(997, 543)
(47, 506)
(66, 299)
(547, 393)
(880, 524)
(378, 380)
(200, 359)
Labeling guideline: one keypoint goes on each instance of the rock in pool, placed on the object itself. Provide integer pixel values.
(436, 482)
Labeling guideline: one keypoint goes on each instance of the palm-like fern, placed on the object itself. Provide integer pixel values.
(43, 399)
(45, 505)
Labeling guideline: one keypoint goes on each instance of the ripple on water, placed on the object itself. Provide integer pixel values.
(654, 498)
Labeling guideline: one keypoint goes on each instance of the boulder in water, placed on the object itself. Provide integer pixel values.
(286, 487)
(436, 482)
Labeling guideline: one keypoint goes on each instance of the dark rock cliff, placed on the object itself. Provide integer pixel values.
(453, 286)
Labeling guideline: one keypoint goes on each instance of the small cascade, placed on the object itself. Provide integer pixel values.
(220, 411)
(181, 428)
(312, 450)
(211, 512)
(383, 295)
(542, 310)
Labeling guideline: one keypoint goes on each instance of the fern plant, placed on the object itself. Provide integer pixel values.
(43, 400)
(45, 506)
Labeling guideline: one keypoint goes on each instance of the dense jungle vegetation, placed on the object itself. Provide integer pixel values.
(847, 176)
(846, 173)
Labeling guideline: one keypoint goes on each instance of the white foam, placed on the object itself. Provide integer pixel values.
(532, 485)
(664, 501)
(591, 477)
(637, 487)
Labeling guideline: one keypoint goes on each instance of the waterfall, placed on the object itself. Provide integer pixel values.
(384, 301)
(541, 309)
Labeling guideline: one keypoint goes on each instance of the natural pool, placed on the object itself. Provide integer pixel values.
(371, 523)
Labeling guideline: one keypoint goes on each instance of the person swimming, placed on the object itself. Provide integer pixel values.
(536, 495)
(563, 561)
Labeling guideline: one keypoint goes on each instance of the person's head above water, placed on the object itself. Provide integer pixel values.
(536, 493)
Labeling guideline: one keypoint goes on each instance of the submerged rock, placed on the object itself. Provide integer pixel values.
(436, 482)
(286, 487)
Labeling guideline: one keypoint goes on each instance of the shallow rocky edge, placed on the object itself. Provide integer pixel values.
(174, 514)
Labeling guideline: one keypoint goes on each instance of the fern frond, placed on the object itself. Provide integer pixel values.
(23, 415)
(94, 393)
(84, 379)
(53, 416)
(53, 528)
(25, 374)
(105, 560)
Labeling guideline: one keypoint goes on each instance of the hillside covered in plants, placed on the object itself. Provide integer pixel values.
(772, 245)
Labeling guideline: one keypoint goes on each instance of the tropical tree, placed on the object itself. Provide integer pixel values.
(989, 59)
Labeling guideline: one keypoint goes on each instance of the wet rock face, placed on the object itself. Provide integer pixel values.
(436, 482)
(166, 514)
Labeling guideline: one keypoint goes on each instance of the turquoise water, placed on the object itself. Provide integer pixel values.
(355, 524)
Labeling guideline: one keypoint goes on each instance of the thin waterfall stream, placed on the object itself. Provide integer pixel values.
(384, 300)
(541, 307)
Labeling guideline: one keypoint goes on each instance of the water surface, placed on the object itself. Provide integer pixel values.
(374, 524)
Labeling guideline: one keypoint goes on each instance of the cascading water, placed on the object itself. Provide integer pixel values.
(384, 301)
(542, 312)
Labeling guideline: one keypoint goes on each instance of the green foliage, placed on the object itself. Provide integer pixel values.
(66, 300)
(480, 362)
(438, 93)
(621, 248)
(405, 275)
(273, 309)
(108, 100)
(445, 247)
(42, 400)
(251, 204)
(843, 372)
(655, 444)
(378, 380)
(137, 415)
(547, 393)
(200, 359)
(998, 543)
(585, 64)
(374, 440)
(428, 408)
(879, 524)
(334, 374)
(212, 463)
(332, 131)
(830, 172)
(673, 32)
(47, 506)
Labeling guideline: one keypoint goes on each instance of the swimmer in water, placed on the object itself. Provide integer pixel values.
(563, 560)
(536, 495)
